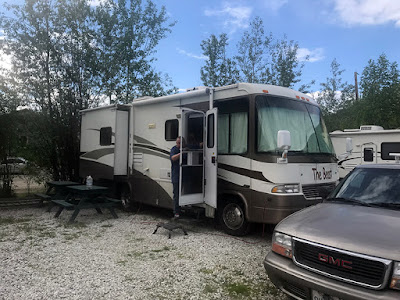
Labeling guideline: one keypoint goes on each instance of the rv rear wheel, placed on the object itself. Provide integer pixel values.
(126, 198)
(233, 219)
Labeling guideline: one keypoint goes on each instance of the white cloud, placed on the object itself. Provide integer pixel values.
(275, 5)
(313, 55)
(368, 12)
(202, 57)
(235, 17)
(96, 2)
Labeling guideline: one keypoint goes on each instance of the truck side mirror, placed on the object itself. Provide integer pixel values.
(284, 143)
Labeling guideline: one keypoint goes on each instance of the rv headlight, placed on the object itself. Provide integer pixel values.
(286, 189)
(395, 282)
(282, 244)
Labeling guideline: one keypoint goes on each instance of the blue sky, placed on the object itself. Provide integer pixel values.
(352, 31)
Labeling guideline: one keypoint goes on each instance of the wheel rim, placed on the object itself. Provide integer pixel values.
(233, 216)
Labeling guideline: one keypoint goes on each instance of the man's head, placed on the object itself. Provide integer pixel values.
(180, 140)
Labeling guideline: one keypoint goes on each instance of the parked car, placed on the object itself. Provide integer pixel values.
(348, 246)
(15, 165)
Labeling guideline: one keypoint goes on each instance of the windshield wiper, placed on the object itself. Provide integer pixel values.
(349, 200)
(387, 204)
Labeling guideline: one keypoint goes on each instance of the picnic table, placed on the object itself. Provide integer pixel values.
(82, 196)
(55, 190)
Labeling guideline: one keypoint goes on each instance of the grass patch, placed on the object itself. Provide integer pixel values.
(72, 236)
(241, 289)
(208, 289)
(165, 248)
(12, 220)
(206, 271)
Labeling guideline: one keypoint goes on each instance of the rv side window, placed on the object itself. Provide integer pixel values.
(210, 131)
(105, 136)
(171, 130)
(233, 126)
(368, 154)
(387, 148)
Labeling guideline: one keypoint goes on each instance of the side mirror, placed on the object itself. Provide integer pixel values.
(284, 140)
(323, 192)
(349, 145)
(284, 143)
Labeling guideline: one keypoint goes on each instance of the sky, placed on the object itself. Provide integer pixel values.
(352, 31)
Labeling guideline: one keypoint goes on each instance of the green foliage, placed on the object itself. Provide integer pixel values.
(68, 56)
(378, 75)
(260, 59)
(219, 70)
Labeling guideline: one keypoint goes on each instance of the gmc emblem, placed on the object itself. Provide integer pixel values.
(335, 261)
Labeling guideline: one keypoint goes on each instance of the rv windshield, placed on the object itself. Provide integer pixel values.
(303, 120)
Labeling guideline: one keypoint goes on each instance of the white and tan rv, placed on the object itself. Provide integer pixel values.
(371, 145)
(265, 153)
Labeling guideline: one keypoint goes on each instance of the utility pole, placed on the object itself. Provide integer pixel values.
(356, 84)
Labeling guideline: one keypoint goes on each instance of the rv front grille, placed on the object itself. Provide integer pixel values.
(311, 191)
(342, 265)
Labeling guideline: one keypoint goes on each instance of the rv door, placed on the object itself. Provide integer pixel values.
(211, 157)
(191, 171)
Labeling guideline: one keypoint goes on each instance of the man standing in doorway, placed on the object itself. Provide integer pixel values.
(174, 156)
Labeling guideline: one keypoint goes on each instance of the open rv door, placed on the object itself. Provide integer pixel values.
(191, 170)
(211, 158)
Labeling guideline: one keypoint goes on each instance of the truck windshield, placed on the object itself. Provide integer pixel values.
(372, 186)
(303, 120)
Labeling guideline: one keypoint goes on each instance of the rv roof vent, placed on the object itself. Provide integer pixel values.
(371, 127)
(196, 88)
(143, 98)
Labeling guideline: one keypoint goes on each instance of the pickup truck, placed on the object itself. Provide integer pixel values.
(348, 246)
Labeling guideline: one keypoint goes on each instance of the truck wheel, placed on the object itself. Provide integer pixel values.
(126, 198)
(233, 219)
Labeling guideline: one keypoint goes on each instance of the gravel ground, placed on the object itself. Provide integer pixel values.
(99, 257)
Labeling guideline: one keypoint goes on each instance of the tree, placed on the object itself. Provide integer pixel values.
(284, 68)
(378, 75)
(218, 70)
(335, 93)
(252, 50)
(128, 34)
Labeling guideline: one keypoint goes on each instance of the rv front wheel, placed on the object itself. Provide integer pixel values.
(232, 217)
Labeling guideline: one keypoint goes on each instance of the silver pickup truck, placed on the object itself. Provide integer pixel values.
(347, 247)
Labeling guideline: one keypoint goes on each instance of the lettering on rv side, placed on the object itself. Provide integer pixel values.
(322, 175)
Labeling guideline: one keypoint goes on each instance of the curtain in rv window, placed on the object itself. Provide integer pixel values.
(232, 133)
(308, 132)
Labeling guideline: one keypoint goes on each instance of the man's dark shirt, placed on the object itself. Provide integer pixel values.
(174, 165)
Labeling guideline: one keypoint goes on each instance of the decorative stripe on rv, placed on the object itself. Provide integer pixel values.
(96, 154)
(245, 172)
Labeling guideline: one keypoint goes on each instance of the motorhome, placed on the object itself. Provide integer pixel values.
(371, 145)
(265, 151)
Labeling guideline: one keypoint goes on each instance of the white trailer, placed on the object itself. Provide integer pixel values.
(240, 175)
(371, 145)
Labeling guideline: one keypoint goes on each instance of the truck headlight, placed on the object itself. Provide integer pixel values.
(286, 189)
(282, 244)
(395, 282)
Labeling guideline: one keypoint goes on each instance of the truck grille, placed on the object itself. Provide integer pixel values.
(354, 268)
(311, 191)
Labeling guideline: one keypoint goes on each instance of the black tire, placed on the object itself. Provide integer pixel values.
(126, 198)
(232, 217)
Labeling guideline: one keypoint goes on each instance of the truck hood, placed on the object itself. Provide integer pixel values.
(366, 230)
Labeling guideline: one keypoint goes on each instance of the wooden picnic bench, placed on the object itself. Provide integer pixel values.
(82, 197)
